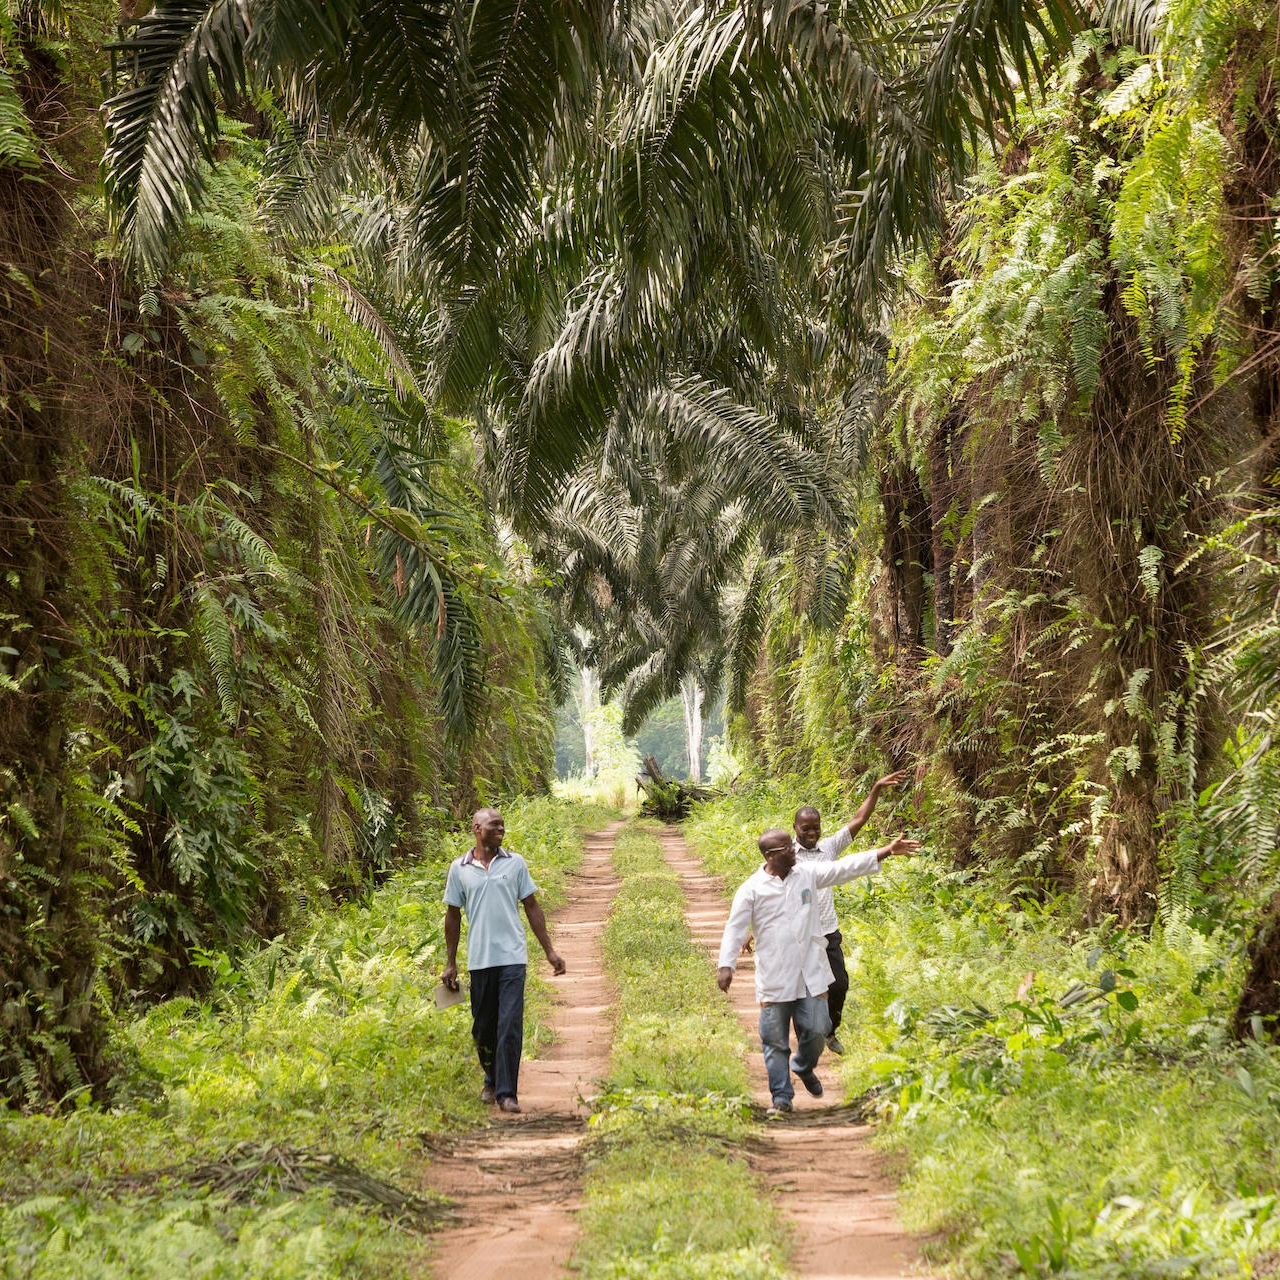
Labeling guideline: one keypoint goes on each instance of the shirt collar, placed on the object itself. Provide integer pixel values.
(469, 857)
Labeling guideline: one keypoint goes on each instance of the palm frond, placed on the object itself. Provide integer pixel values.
(985, 52)
(753, 460)
(828, 595)
(746, 632)
(163, 124)
(1136, 22)
(371, 324)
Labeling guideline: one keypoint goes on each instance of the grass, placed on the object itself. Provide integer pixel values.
(668, 1193)
(1067, 1101)
(327, 1044)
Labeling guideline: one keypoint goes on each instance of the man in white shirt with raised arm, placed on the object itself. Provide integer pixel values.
(779, 905)
(812, 846)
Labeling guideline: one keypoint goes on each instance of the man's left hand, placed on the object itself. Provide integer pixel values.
(557, 965)
(894, 779)
(901, 846)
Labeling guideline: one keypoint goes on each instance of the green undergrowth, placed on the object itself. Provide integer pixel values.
(669, 1194)
(1068, 1100)
(272, 1128)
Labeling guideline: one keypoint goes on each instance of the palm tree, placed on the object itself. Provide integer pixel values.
(645, 583)
(892, 94)
(638, 241)
(665, 572)
(481, 83)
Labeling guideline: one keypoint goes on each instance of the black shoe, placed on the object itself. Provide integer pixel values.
(811, 1082)
(487, 1095)
(834, 1045)
(781, 1107)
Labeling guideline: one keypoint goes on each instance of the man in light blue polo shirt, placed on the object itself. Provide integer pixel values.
(490, 884)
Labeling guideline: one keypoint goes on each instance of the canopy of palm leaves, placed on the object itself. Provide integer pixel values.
(618, 236)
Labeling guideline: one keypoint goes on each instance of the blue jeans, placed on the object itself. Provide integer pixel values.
(813, 1025)
(497, 1024)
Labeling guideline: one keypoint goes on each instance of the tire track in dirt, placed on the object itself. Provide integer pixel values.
(828, 1181)
(517, 1183)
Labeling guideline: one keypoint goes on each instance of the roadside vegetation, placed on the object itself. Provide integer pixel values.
(1068, 1100)
(271, 1126)
(905, 377)
(669, 1193)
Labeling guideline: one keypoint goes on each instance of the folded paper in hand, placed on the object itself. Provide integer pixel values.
(446, 999)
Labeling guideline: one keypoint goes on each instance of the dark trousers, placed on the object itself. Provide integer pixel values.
(497, 1024)
(839, 987)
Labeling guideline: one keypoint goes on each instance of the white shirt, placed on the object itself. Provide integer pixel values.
(791, 949)
(828, 849)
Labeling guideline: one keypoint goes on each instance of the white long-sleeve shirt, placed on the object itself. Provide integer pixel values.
(791, 947)
(828, 849)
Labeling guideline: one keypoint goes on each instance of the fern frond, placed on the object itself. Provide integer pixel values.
(219, 646)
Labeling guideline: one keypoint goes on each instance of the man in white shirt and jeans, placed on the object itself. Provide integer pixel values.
(809, 848)
(779, 905)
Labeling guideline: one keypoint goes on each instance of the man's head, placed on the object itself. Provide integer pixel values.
(488, 828)
(778, 851)
(808, 826)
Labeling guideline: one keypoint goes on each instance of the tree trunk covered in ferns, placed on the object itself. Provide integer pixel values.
(330, 819)
(944, 464)
(1129, 476)
(906, 555)
(1250, 205)
(1135, 503)
(51, 1033)
(944, 521)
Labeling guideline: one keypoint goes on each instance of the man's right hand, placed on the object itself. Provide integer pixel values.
(449, 976)
(724, 976)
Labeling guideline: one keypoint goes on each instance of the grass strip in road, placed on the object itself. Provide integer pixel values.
(268, 1129)
(669, 1193)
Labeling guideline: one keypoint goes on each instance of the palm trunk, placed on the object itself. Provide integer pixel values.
(942, 496)
(327, 711)
(1260, 996)
(691, 702)
(907, 552)
(52, 1033)
(588, 699)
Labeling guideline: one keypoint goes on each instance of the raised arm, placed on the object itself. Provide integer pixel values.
(736, 929)
(853, 865)
(538, 923)
(867, 807)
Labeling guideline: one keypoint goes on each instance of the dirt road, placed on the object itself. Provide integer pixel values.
(819, 1162)
(517, 1183)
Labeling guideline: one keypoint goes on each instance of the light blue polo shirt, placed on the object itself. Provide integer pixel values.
(491, 900)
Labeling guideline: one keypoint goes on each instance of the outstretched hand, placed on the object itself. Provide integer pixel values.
(894, 779)
(900, 845)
